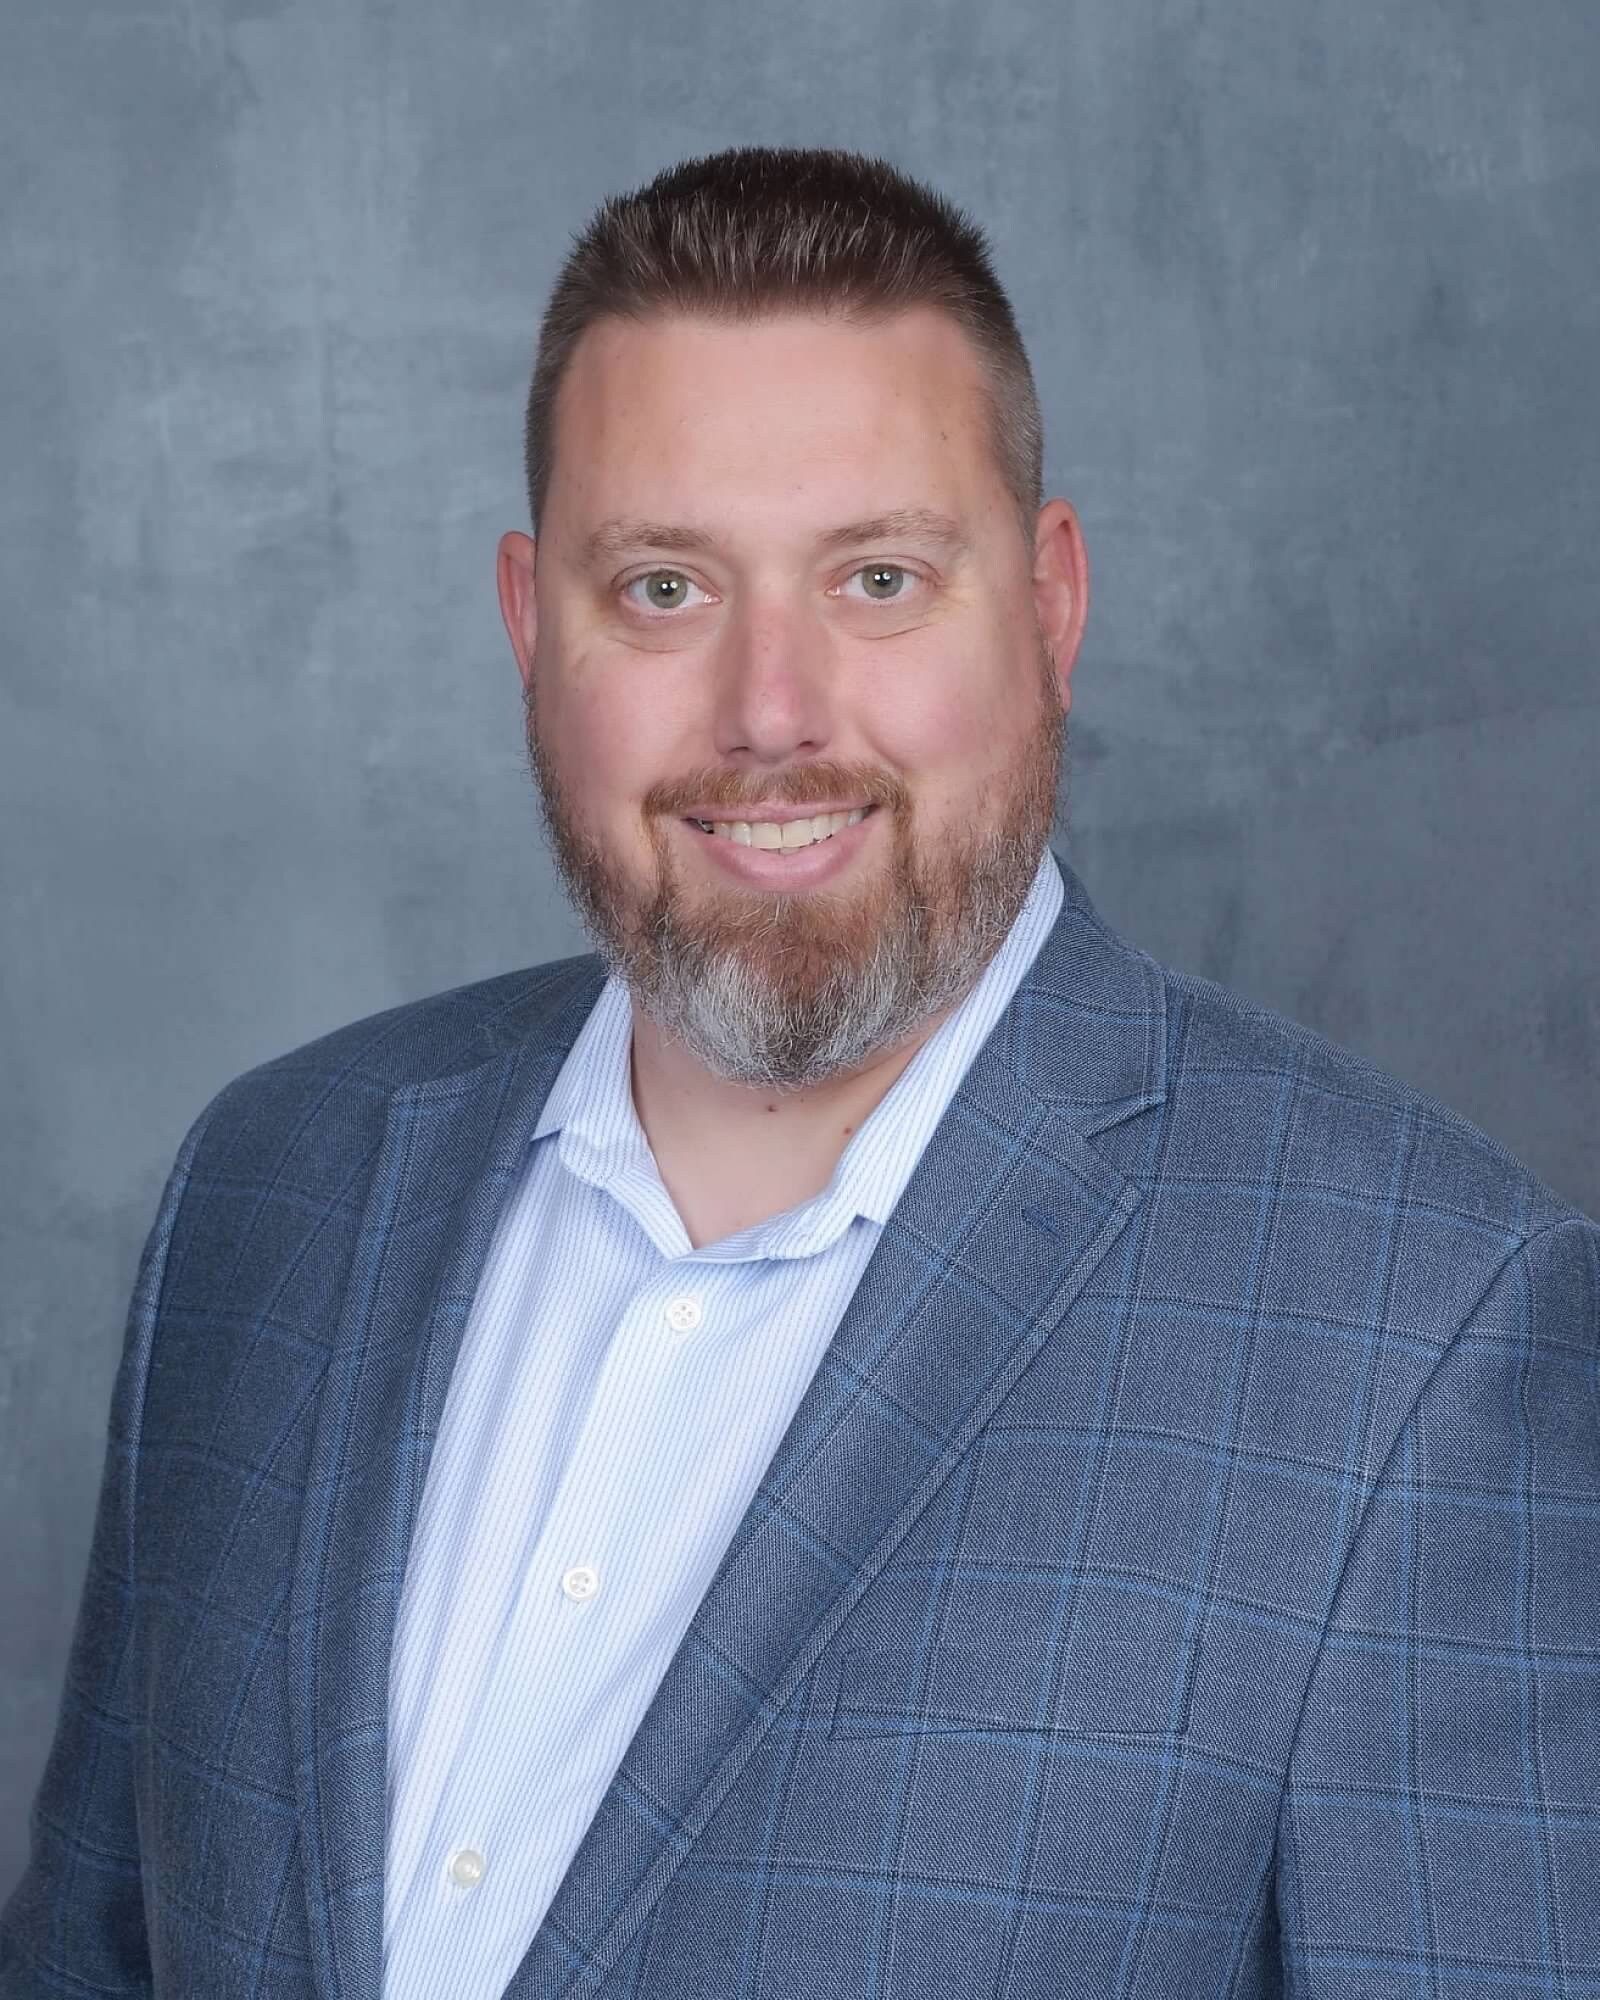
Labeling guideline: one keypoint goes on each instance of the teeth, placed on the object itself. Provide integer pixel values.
(784, 834)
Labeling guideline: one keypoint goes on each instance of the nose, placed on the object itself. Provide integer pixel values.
(773, 696)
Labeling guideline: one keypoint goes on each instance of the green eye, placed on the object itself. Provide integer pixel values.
(884, 581)
(665, 589)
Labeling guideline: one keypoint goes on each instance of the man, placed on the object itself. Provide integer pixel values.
(890, 1446)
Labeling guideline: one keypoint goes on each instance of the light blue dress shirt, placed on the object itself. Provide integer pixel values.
(616, 1399)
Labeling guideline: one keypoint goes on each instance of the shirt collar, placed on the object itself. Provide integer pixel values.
(875, 1166)
(602, 1141)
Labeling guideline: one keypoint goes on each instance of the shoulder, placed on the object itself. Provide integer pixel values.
(1255, 1080)
(1251, 1101)
(440, 1035)
(1280, 1171)
(1366, 1229)
(1355, 1200)
(335, 1091)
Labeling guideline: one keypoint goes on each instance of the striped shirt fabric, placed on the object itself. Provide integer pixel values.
(617, 1396)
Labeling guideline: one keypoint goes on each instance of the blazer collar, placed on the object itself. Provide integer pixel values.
(1008, 1213)
(1087, 1030)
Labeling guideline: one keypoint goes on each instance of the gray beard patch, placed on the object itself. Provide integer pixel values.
(744, 1027)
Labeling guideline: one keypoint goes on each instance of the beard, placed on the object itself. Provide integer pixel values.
(786, 991)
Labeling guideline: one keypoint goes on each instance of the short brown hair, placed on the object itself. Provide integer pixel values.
(766, 229)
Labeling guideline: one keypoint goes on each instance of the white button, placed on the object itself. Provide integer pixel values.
(581, 1582)
(684, 1315)
(466, 1868)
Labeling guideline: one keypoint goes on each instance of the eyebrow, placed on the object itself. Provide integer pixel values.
(921, 524)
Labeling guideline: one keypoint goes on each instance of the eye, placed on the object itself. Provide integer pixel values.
(885, 583)
(666, 590)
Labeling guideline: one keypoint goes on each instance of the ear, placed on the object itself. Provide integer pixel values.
(514, 574)
(1061, 587)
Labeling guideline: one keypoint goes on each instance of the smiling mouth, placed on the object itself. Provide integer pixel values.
(786, 834)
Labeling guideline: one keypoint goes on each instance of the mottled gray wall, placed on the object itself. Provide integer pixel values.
(1312, 295)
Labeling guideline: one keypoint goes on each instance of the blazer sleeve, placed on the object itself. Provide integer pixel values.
(75, 1924)
(1440, 1829)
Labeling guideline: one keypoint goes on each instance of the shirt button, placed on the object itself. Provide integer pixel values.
(684, 1315)
(466, 1868)
(581, 1582)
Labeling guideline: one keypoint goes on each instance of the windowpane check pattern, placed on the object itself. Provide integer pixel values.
(1177, 1579)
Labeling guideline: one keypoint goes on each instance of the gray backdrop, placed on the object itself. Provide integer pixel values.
(1311, 289)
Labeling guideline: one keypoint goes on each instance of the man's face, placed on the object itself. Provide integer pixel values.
(791, 700)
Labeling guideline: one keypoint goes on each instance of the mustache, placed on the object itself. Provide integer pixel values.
(799, 785)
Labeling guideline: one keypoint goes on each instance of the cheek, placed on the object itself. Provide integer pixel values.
(610, 743)
(951, 728)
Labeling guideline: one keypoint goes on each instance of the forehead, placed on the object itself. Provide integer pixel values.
(676, 417)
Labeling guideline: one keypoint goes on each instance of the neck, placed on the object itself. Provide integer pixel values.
(733, 1154)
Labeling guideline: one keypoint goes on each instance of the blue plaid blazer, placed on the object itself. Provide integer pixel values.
(1180, 1580)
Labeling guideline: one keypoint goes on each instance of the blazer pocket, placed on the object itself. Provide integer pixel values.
(1010, 1689)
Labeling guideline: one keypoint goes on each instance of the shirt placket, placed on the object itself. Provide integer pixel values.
(592, 1585)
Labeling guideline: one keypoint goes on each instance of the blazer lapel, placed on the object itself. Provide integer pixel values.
(1008, 1214)
(451, 1151)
